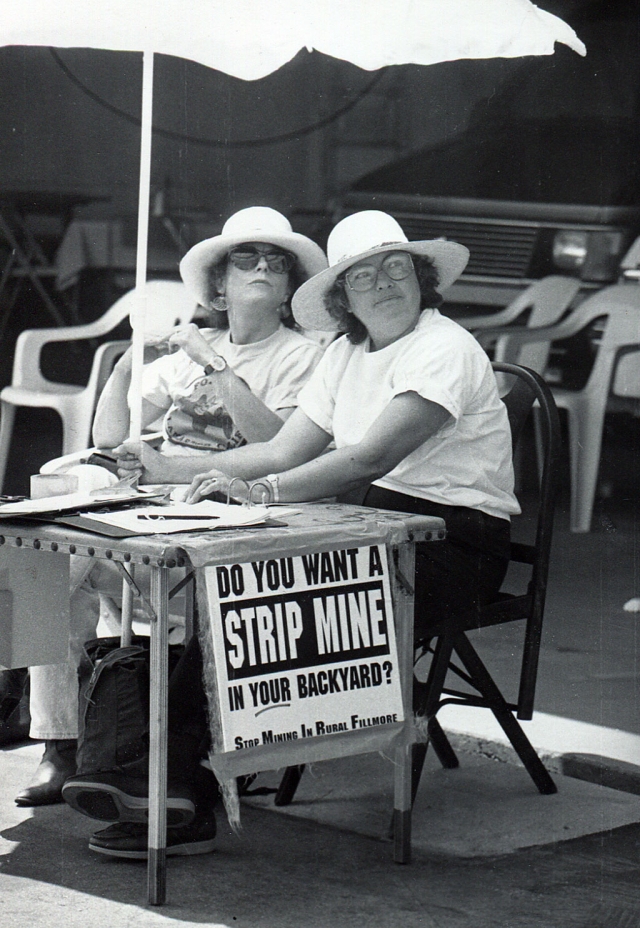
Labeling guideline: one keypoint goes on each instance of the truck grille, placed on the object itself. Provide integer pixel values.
(496, 249)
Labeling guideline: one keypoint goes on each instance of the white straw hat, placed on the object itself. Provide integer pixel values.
(358, 237)
(253, 224)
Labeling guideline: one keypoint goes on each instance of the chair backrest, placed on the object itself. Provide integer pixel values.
(168, 304)
(528, 389)
(626, 378)
(549, 299)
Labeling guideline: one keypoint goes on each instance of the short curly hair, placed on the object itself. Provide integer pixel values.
(220, 319)
(336, 300)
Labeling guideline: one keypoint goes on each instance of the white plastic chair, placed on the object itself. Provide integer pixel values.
(614, 383)
(613, 378)
(168, 305)
(547, 299)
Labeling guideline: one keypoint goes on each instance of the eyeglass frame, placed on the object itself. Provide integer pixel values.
(275, 254)
(347, 273)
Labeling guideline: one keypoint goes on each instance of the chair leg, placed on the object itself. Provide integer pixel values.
(586, 422)
(426, 699)
(288, 785)
(7, 418)
(444, 752)
(484, 683)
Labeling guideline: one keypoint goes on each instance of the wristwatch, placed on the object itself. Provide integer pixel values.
(217, 364)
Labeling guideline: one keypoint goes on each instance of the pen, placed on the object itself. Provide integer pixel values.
(160, 518)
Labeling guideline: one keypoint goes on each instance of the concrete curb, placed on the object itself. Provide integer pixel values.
(605, 771)
(599, 755)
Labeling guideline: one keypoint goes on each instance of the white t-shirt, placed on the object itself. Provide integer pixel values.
(274, 369)
(469, 461)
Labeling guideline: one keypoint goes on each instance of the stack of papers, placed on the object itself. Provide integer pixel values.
(181, 517)
(123, 512)
(72, 502)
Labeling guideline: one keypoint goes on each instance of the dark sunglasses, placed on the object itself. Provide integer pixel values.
(247, 257)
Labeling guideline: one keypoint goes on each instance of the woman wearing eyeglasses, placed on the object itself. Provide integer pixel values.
(410, 400)
(220, 388)
(251, 361)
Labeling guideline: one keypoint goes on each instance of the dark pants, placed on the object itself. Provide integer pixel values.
(457, 576)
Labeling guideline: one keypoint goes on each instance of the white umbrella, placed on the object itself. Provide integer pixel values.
(251, 39)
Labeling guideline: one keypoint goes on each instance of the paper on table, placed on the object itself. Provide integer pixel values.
(182, 517)
(70, 502)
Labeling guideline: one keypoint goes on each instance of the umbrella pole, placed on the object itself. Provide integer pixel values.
(157, 840)
(139, 312)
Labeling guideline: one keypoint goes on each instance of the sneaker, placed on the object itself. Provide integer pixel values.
(115, 797)
(129, 839)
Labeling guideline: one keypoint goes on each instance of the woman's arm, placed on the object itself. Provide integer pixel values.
(253, 419)
(299, 440)
(111, 423)
(408, 421)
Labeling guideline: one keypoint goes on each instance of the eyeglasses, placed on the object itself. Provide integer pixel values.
(364, 277)
(247, 257)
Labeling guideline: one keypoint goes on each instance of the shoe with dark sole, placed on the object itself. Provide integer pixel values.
(129, 839)
(114, 797)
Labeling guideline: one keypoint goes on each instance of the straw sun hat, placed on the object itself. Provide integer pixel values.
(253, 224)
(360, 236)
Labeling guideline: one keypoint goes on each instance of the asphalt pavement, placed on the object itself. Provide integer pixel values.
(489, 851)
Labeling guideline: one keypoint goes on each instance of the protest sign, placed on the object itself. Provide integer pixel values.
(304, 646)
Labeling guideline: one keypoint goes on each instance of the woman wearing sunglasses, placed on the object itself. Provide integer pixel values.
(410, 400)
(251, 360)
(220, 388)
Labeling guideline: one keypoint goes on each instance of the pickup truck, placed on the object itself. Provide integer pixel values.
(528, 197)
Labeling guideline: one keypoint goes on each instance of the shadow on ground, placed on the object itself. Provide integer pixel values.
(285, 870)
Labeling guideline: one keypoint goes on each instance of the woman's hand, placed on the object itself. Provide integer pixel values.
(213, 484)
(136, 458)
(153, 349)
(192, 342)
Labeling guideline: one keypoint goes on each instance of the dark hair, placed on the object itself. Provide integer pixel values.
(336, 300)
(220, 319)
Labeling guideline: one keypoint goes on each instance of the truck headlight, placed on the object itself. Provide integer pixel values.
(593, 255)
(570, 250)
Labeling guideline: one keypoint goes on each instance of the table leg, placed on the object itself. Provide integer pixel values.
(158, 710)
(127, 610)
(402, 580)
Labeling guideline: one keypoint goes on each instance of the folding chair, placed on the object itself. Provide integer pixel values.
(528, 606)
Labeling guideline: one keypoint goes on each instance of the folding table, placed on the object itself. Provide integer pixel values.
(314, 527)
